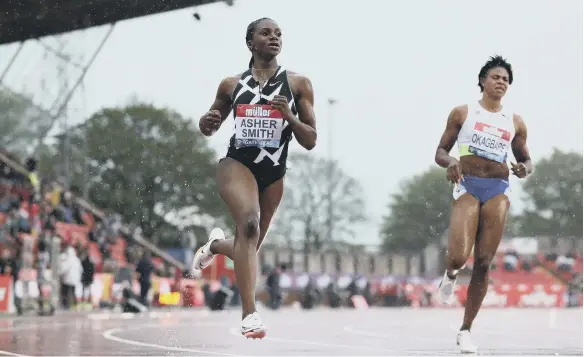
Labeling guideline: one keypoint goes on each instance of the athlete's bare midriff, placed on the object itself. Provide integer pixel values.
(481, 167)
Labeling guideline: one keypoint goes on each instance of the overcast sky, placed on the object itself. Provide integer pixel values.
(395, 67)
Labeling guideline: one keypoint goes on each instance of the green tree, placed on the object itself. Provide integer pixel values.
(22, 122)
(304, 211)
(144, 163)
(419, 213)
(553, 196)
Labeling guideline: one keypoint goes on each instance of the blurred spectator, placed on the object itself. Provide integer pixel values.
(311, 295)
(6, 262)
(144, 270)
(352, 290)
(511, 261)
(70, 273)
(54, 195)
(33, 205)
(550, 257)
(87, 276)
(43, 255)
(10, 265)
(565, 263)
(273, 287)
(333, 295)
(367, 294)
(67, 211)
(43, 259)
(527, 265)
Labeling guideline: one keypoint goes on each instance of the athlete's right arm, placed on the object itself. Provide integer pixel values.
(448, 139)
(212, 120)
(443, 158)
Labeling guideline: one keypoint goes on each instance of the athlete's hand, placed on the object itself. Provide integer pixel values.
(519, 170)
(280, 102)
(454, 171)
(210, 122)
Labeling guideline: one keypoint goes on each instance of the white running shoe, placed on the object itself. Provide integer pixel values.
(464, 342)
(204, 257)
(446, 288)
(252, 326)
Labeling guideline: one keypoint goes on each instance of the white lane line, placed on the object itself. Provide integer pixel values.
(110, 335)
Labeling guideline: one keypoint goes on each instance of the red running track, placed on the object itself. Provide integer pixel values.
(320, 332)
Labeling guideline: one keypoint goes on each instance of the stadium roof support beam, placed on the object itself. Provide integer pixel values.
(21, 20)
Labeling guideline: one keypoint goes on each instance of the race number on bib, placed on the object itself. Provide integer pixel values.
(258, 125)
(490, 142)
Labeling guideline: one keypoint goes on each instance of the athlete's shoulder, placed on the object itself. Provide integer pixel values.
(458, 114)
(518, 118)
(518, 122)
(298, 82)
(297, 76)
(228, 84)
(462, 108)
(232, 79)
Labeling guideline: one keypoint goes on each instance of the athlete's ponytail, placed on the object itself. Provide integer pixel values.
(251, 62)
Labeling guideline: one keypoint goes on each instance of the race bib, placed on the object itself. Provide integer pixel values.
(490, 142)
(258, 125)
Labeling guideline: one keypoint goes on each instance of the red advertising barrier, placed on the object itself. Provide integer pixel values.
(73, 234)
(5, 293)
(505, 295)
(221, 266)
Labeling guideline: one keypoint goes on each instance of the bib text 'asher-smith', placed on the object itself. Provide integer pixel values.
(258, 125)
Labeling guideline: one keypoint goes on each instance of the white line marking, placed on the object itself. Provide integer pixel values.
(109, 335)
(151, 315)
(236, 332)
(12, 354)
(127, 315)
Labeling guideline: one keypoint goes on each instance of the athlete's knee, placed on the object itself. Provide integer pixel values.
(456, 261)
(456, 258)
(483, 262)
(250, 226)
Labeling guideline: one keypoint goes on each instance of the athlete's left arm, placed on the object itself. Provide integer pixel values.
(303, 126)
(524, 166)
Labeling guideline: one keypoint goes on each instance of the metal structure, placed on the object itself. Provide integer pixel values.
(70, 93)
(21, 20)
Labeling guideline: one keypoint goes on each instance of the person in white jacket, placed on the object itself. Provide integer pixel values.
(70, 271)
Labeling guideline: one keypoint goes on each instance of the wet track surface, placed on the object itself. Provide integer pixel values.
(380, 332)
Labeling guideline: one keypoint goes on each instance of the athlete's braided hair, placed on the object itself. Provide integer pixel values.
(494, 62)
(249, 33)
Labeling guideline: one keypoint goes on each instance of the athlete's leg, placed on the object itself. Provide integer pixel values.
(461, 237)
(492, 224)
(238, 188)
(269, 201)
(224, 247)
(462, 232)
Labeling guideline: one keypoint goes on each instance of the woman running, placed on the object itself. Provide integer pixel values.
(485, 131)
(265, 100)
